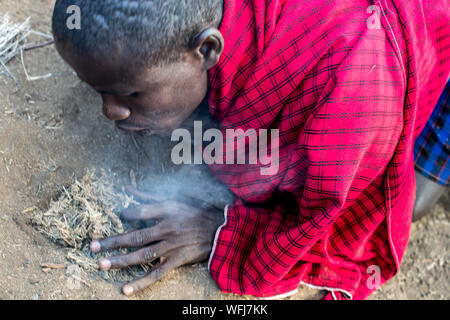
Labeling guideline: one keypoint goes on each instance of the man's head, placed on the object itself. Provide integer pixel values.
(148, 59)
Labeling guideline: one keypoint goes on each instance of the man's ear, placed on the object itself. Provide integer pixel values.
(209, 45)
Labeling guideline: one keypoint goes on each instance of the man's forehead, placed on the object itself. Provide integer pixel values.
(119, 75)
(108, 78)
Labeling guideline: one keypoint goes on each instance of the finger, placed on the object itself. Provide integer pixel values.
(156, 274)
(143, 196)
(142, 213)
(143, 256)
(134, 239)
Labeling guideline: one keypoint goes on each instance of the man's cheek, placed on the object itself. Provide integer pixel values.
(174, 122)
(167, 124)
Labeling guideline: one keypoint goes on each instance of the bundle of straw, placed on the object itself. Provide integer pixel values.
(13, 36)
(86, 210)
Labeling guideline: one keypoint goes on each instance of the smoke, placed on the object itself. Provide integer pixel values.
(190, 181)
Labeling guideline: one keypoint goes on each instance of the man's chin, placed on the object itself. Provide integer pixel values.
(146, 133)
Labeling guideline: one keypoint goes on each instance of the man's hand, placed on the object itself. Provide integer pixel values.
(183, 235)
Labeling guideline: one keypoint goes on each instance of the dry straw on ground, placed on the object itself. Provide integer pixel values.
(13, 41)
(86, 210)
(13, 36)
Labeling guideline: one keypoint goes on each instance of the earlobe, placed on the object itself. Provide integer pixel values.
(209, 45)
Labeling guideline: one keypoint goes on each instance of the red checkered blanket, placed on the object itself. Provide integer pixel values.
(349, 85)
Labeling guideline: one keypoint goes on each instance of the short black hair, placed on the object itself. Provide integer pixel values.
(152, 31)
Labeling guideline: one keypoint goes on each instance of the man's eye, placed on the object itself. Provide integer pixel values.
(134, 95)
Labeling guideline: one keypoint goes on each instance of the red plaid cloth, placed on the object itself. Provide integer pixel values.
(349, 100)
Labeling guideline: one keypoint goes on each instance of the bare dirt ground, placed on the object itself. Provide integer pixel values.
(52, 130)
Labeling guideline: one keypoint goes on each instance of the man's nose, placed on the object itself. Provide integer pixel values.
(115, 111)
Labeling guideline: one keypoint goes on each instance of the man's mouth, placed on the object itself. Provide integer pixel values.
(128, 127)
(135, 129)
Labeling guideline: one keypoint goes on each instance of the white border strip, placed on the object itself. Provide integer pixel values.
(225, 212)
(280, 296)
(332, 290)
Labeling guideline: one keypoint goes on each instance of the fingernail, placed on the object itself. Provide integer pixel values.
(127, 290)
(104, 264)
(95, 246)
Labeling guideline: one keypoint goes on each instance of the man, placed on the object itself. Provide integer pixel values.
(348, 84)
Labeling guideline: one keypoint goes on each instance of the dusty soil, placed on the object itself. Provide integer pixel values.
(52, 130)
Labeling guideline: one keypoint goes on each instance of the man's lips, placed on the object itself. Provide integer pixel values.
(144, 132)
(128, 127)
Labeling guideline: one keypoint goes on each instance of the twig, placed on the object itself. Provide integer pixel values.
(29, 210)
(53, 266)
(77, 278)
(48, 75)
(8, 73)
(139, 147)
(38, 45)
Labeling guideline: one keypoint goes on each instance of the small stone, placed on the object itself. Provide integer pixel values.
(27, 263)
(35, 296)
(431, 266)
